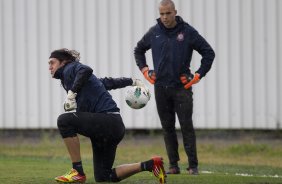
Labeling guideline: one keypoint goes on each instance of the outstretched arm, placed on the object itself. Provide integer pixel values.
(116, 83)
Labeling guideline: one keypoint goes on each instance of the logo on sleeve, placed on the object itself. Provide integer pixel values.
(180, 37)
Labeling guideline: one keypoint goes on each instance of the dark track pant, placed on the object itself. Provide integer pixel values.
(105, 132)
(180, 101)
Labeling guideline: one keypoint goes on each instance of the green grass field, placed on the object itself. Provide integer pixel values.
(35, 160)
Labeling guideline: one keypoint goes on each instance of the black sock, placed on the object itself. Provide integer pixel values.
(147, 165)
(78, 167)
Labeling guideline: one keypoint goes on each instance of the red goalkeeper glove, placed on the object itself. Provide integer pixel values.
(188, 81)
(150, 75)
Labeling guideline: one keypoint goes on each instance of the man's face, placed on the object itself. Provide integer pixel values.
(167, 15)
(54, 65)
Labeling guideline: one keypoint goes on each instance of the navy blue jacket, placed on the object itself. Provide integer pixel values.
(172, 51)
(92, 94)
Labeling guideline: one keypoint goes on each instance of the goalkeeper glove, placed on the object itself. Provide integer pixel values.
(137, 82)
(189, 80)
(150, 75)
(70, 102)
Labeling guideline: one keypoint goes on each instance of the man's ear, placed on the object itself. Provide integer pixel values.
(63, 63)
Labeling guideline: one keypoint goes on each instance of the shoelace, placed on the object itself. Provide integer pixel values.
(69, 173)
(157, 171)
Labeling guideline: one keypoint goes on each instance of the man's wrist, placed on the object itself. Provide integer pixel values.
(144, 69)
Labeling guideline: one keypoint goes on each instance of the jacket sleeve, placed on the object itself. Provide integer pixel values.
(82, 74)
(139, 51)
(205, 50)
(115, 83)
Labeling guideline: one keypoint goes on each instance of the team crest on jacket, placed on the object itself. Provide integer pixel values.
(180, 37)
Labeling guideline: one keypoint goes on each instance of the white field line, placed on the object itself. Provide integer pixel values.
(246, 174)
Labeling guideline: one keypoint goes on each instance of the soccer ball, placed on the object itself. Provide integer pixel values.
(137, 97)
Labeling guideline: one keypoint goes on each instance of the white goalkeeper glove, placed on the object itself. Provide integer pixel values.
(138, 82)
(70, 102)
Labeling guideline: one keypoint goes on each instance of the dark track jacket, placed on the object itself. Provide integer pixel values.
(172, 52)
(92, 94)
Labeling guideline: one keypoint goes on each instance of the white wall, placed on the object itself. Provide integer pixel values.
(242, 90)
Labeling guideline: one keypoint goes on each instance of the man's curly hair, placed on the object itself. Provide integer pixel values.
(65, 55)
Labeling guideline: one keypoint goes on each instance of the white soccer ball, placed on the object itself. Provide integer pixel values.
(137, 97)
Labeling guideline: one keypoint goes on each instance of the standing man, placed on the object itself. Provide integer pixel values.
(91, 112)
(172, 42)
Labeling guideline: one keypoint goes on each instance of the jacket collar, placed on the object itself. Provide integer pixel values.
(59, 73)
(178, 26)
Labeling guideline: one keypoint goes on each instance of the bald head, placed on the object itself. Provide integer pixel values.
(167, 3)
